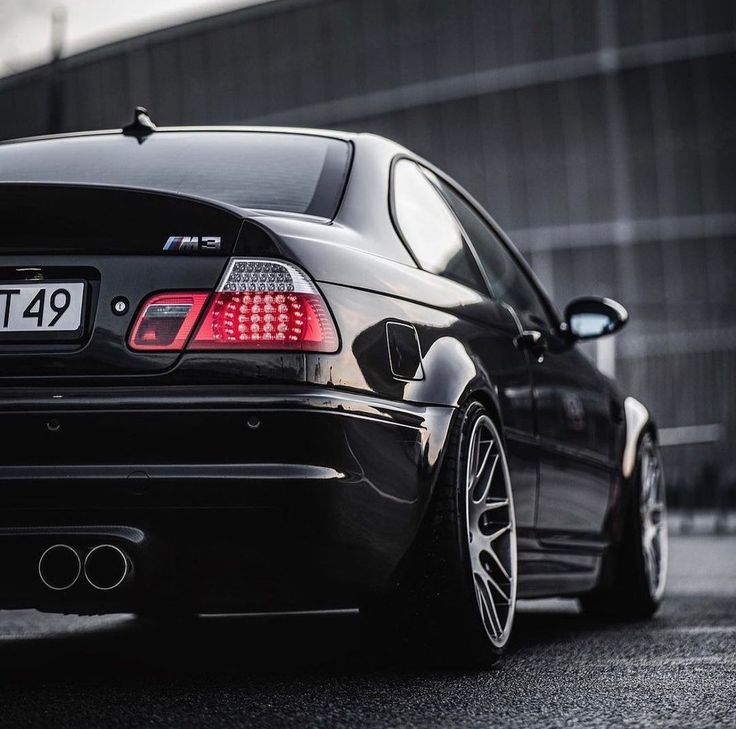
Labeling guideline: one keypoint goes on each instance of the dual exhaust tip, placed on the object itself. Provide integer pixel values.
(105, 567)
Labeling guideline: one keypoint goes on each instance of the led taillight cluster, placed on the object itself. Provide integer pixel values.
(259, 304)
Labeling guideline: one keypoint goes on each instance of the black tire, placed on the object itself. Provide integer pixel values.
(436, 612)
(625, 590)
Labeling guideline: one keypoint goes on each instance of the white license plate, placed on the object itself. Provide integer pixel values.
(41, 307)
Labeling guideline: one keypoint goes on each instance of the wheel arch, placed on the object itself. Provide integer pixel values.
(638, 422)
(489, 402)
(478, 392)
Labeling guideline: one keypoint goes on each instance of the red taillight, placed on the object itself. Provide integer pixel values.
(166, 320)
(266, 304)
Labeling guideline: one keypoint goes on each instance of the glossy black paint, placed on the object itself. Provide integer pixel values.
(610, 315)
(257, 480)
(244, 500)
(44, 219)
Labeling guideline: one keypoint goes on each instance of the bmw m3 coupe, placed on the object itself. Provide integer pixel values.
(261, 369)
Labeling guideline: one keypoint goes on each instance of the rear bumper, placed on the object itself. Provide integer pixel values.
(223, 499)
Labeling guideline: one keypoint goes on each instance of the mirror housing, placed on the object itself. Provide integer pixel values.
(590, 317)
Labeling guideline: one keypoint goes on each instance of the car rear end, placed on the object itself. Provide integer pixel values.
(163, 443)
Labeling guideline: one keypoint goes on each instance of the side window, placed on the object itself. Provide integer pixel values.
(508, 281)
(430, 229)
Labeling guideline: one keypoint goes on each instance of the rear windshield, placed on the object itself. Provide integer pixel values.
(294, 173)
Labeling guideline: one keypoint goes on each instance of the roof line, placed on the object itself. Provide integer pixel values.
(260, 129)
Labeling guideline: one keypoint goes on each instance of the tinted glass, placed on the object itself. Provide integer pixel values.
(508, 282)
(429, 228)
(285, 172)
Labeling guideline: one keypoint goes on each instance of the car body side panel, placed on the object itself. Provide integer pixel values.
(461, 357)
(577, 463)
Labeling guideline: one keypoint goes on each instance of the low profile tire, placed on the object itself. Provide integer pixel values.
(456, 604)
(634, 576)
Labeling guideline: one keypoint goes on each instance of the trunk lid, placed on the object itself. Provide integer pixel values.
(81, 219)
(122, 245)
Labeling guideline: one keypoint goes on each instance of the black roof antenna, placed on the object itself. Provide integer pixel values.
(141, 126)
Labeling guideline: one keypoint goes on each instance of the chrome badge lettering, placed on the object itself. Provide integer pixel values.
(193, 243)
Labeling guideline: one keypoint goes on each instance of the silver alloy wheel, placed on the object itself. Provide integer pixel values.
(653, 519)
(491, 530)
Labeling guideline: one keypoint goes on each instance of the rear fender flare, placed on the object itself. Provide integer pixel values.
(637, 420)
(453, 374)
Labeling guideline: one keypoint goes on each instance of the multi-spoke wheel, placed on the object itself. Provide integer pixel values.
(634, 574)
(653, 522)
(456, 602)
(491, 530)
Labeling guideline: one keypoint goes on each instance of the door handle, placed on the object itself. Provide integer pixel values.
(532, 341)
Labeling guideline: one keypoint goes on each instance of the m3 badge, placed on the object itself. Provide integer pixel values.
(193, 243)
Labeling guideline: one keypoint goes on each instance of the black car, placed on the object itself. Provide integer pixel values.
(250, 369)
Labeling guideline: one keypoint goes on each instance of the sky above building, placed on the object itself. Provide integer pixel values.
(26, 35)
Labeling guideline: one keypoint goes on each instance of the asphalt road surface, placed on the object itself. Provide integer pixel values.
(562, 670)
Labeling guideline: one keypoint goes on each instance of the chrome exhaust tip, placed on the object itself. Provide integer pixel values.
(106, 566)
(59, 567)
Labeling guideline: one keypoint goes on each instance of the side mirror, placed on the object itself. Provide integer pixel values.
(591, 317)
